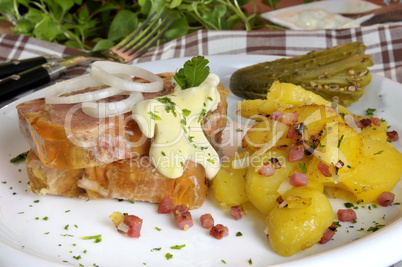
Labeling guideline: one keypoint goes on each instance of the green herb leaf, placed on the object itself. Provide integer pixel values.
(170, 105)
(303, 167)
(370, 112)
(178, 246)
(154, 116)
(20, 157)
(122, 25)
(379, 152)
(193, 73)
(98, 238)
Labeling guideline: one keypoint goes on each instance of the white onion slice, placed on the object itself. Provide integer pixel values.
(123, 227)
(106, 109)
(54, 92)
(105, 72)
(350, 121)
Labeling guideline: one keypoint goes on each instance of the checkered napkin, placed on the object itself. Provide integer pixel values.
(384, 44)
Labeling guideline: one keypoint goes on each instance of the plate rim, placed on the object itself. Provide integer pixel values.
(315, 258)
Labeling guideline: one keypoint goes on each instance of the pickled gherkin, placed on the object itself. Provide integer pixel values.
(341, 71)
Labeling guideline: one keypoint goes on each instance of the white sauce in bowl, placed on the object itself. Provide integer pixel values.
(315, 19)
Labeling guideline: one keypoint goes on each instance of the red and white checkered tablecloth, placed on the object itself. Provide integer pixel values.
(384, 44)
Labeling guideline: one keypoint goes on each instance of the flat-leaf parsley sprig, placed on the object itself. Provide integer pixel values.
(193, 73)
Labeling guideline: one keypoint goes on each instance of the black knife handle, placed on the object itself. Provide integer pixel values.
(23, 81)
(29, 79)
(17, 66)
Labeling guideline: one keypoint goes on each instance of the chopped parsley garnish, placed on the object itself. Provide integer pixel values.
(186, 112)
(340, 141)
(379, 152)
(376, 227)
(211, 160)
(168, 256)
(66, 227)
(223, 261)
(202, 114)
(156, 249)
(45, 218)
(370, 112)
(239, 234)
(154, 116)
(250, 262)
(239, 130)
(303, 167)
(193, 73)
(178, 246)
(348, 205)
(20, 157)
(158, 229)
(169, 105)
(98, 238)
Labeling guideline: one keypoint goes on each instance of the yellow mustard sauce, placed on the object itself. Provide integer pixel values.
(174, 121)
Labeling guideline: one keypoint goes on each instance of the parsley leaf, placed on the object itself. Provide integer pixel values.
(193, 73)
(370, 112)
(178, 246)
(20, 157)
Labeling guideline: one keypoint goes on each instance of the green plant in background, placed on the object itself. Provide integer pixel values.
(99, 24)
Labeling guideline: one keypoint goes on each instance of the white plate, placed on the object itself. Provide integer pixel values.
(27, 241)
(281, 16)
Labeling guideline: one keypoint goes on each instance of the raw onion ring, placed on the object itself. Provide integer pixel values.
(105, 72)
(54, 92)
(106, 109)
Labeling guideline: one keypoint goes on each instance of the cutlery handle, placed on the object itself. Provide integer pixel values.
(17, 66)
(29, 79)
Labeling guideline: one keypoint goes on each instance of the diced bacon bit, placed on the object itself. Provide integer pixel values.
(207, 221)
(267, 169)
(237, 212)
(296, 153)
(359, 124)
(276, 115)
(386, 198)
(328, 234)
(324, 169)
(219, 231)
(279, 200)
(166, 205)
(276, 163)
(392, 136)
(346, 215)
(134, 223)
(365, 123)
(290, 118)
(183, 217)
(338, 165)
(376, 121)
(298, 179)
(293, 133)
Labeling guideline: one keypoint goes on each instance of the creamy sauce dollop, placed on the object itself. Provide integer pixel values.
(174, 121)
(316, 19)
